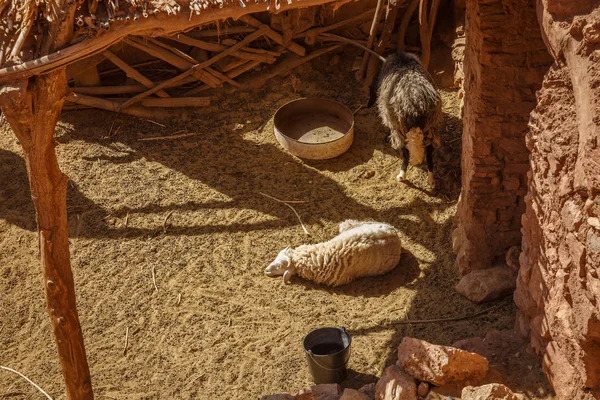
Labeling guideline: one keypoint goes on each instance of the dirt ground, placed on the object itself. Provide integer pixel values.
(190, 210)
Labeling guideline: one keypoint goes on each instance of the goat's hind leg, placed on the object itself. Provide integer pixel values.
(429, 156)
(405, 157)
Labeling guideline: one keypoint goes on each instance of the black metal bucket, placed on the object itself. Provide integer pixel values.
(327, 353)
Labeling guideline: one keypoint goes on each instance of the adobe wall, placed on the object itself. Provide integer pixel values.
(558, 289)
(505, 61)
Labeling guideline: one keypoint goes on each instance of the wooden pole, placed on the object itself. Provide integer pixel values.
(310, 36)
(404, 25)
(293, 46)
(372, 35)
(171, 58)
(255, 35)
(244, 52)
(287, 64)
(384, 40)
(132, 73)
(114, 106)
(32, 109)
(426, 25)
(32, 106)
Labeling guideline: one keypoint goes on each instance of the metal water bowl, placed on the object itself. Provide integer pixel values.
(315, 129)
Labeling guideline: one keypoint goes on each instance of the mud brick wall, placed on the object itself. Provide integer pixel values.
(558, 287)
(505, 61)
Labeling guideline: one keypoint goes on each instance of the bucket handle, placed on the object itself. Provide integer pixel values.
(310, 353)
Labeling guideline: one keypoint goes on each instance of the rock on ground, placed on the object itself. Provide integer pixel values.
(423, 389)
(327, 391)
(493, 391)
(440, 364)
(369, 390)
(488, 284)
(395, 384)
(353, 394)
(474, 345)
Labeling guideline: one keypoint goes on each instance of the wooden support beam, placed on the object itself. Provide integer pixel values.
(290, 62)
(114, 106)
(172, 102)
(426, 26)
(243, 68)
(234, 72)
(248, 39)
(172, 59)
(223, 77)
(244, 52)
(310, 36)
(109, 90)
(384, 40)
(372, 35)
(294, 47)
(132, 73)
(228, 30)
(232, 65)
(401, 43)
(32, 108)
(123, 89)
(201, 44)
(188, 58)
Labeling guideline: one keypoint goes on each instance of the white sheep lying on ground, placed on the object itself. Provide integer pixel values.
(361, 249)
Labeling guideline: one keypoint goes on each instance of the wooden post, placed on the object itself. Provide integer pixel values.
(384, 40)
(32, 106)
(401, 45)
(32, 109)
(426, 26)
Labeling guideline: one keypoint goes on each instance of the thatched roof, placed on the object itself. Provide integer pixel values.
(20, 19)
(94, 25)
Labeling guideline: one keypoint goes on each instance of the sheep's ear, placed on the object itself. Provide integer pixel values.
(287, 275)
(288, 261)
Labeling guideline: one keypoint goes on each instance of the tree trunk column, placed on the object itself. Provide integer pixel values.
(32, 109)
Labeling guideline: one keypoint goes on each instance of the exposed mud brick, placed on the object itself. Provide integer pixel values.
(558, 287)
(492, 391)
(396, 384)
(522, 325)
(505, 61)
(440, 365)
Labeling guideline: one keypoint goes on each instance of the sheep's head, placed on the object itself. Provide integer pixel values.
(282, 266)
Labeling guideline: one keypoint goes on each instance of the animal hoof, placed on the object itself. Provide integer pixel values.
(400, 176)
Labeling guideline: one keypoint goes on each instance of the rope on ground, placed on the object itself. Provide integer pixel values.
(431, 321)
(292, 208)
(27, 379)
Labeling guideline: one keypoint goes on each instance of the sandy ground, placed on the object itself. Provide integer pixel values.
(235, 334)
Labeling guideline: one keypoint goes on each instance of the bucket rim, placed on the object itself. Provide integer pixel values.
(342, 329)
